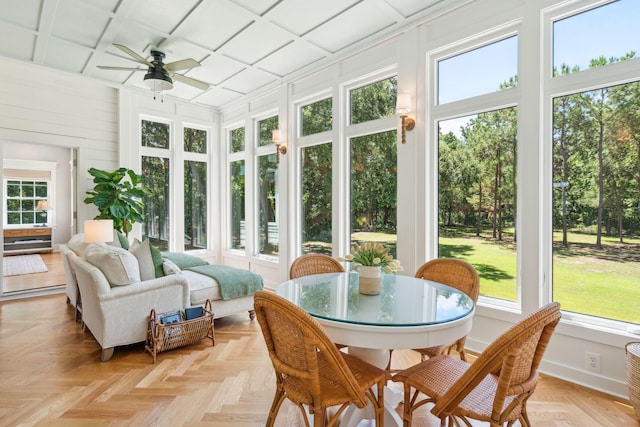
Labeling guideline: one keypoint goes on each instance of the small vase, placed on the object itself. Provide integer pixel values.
(370, 280)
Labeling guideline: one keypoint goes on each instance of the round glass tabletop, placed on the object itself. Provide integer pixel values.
(404, 301)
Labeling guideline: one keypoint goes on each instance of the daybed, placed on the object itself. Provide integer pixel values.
(115, 302)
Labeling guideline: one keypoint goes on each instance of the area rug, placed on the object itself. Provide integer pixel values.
(23, 264)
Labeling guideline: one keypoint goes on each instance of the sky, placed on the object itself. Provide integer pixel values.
(609, 30)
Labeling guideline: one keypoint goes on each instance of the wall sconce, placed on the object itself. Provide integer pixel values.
(276, 137)
(403, 106)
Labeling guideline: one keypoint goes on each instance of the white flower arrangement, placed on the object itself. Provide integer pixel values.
(373, 255)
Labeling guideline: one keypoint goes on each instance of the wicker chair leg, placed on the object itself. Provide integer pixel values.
(275, 407)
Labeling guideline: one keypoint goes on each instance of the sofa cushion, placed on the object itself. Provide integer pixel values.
(183, 260)
(119, 266)
(78, 245)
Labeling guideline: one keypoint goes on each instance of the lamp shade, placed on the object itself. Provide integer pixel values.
(42, 205)
(98, 230)
(403, 103)
(276, 136)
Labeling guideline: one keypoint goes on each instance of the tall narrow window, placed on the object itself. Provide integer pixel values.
(237, 190)
(374, 183)
(195, 189)
(267, 190)
(477, 197)
(374, 165)
(156, 169)
(316, 199)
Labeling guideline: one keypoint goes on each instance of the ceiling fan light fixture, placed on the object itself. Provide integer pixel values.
(158, 81)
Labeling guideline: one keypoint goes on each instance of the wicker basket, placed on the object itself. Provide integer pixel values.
(633, 374)
(161, 337)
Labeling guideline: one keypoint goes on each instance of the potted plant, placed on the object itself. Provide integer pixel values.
(118, 196)
(374, 259)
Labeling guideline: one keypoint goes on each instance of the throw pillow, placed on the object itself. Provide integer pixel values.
(119, 266)
(183, 260)
(142, 252)
(156, 255)
(119, 240)
(169, 267)
(149, 259)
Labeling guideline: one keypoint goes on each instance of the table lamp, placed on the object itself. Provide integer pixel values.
(98, 230)
(43, 206)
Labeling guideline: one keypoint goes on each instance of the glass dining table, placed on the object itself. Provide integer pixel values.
(408, 313)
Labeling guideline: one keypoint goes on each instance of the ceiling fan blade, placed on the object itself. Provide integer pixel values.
(132, 54)
(106, 67)
(191, 82)
(183, 64)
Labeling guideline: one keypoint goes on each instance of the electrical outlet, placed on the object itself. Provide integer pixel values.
(593, 361)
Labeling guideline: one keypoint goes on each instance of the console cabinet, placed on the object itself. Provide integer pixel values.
(28, 240)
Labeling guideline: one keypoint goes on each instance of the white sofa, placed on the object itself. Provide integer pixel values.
(117, 315)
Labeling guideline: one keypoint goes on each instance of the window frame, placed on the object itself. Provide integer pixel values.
(553, 87)
(465, 107)
(34, 165)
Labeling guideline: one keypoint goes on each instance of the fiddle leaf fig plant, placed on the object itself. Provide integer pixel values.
(118, 196)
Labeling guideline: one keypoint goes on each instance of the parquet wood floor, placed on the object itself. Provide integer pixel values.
(51, 375)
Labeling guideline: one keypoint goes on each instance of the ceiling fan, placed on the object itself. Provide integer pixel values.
(159, 75)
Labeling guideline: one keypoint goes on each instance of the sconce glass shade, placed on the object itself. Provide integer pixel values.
(98, 230)
(42, 205)
(403, 103)
(276, 136)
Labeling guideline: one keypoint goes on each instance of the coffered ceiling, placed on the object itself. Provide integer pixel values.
(243, 45)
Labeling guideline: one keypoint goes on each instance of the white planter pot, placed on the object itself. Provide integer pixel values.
(370, 280)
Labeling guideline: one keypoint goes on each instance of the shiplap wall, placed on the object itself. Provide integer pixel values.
(39, 106)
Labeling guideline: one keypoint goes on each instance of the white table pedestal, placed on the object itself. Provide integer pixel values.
(393, 395)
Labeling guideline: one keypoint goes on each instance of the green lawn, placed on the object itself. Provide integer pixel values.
(603, 283)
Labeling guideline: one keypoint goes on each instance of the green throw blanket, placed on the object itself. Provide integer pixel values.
(234, 282)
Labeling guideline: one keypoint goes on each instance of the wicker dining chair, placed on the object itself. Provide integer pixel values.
(458, 274)
(495, 388)
(310, 371)
(309, 264)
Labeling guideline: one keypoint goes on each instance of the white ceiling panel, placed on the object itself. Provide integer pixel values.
(309, 15)
(163, 15)
(256, 42)
(22, 42)
(66, 56)
(216, 69)
(259, 7)
(79, 23)
(214, 23)
(408, 8)
(356, 24)
(25, 16)
(243, 45)
(248, 80)
(291, 58)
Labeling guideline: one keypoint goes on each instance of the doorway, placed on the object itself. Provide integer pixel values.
(39, 214)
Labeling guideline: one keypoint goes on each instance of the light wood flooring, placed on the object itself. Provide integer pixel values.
(51, 375)
(26, 282)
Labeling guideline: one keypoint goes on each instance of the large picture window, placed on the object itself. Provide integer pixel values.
(477, 197)
(596, 166)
